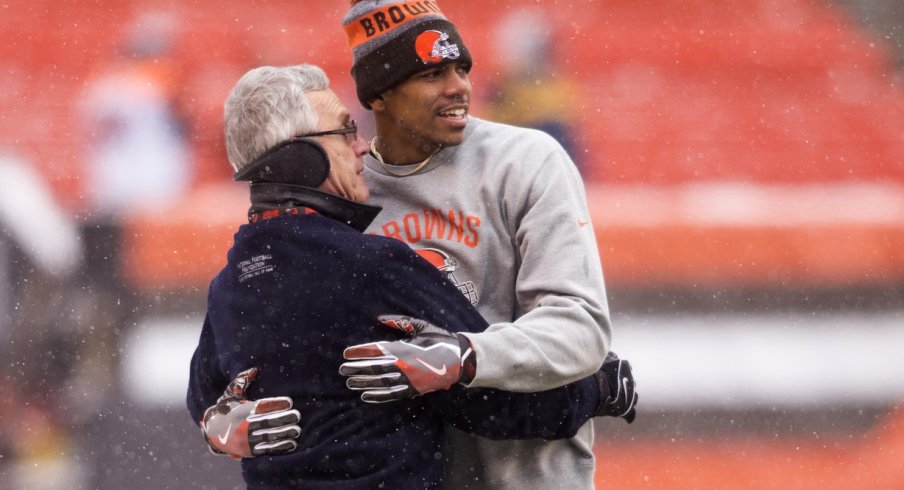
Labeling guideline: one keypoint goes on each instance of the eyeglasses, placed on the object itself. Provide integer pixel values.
(350, 132)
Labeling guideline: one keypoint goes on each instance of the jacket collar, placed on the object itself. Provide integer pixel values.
(270, 195)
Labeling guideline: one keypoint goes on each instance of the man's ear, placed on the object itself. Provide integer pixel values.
(377, 104)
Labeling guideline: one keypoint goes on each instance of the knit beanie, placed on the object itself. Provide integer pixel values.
(393, 40)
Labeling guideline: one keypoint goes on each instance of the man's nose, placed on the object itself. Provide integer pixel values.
(457, 83)
(360, 145)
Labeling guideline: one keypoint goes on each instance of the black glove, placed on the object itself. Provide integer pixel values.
(240, 428)
(432, 359)
(618, 385)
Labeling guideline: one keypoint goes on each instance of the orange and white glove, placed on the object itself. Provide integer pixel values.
(432, 359)
(241, 428)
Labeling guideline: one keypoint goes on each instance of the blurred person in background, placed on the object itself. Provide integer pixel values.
(137, 159)
(530, 90)
(138, 151)
(39, 256)
(302, 281)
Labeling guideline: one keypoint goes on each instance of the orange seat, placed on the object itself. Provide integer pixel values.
(181, 248)
(788, 93)
(802, 463)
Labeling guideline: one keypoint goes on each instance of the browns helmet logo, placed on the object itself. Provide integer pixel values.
(434, 46)
(447, 265)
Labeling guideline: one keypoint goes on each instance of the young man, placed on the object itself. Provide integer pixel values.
(302, 281)
(507, 206)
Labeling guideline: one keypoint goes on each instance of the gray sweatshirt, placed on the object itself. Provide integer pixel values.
(504, 214)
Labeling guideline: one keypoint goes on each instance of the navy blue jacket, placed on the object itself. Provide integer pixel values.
(296, 291)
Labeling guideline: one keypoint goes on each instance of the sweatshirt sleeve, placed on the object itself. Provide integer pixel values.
(562, 330)
(205, 382)
(496, 414)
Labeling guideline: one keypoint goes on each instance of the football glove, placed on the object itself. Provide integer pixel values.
(615, 379)
(241, 428)
(432, 359)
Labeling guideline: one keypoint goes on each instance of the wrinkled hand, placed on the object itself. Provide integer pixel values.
(241, 428)
(615, 378)
(432, 359)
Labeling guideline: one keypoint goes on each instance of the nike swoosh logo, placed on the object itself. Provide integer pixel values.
(583, 223)
(439, 372)
(631, 401)
(225, 437)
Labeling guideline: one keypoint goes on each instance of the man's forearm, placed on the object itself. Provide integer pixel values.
(551, 414)
(545, 349)
(495, 414)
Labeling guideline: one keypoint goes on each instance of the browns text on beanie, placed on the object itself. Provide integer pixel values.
(392, 40)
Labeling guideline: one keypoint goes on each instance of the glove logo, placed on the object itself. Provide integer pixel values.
(626, 386)
(438, 371)
(225, 437)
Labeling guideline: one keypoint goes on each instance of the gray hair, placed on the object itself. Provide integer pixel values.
(267, 106)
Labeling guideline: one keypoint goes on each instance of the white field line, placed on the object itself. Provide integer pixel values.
(746, 204)
(680, 362)
(765, 361)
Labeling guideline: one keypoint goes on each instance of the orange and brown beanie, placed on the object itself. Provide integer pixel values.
(392, 40)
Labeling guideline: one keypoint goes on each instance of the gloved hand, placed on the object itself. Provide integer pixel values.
(241, 428)
(432, 359)
(616, 379)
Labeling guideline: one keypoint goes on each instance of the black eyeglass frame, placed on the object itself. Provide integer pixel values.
(343, 131)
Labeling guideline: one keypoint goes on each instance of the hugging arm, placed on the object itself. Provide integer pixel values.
(434, 360)
(230, 423)
(552, 414)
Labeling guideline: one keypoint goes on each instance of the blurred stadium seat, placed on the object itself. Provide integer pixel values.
(781, 110)
(788, 95)
(801, 463)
